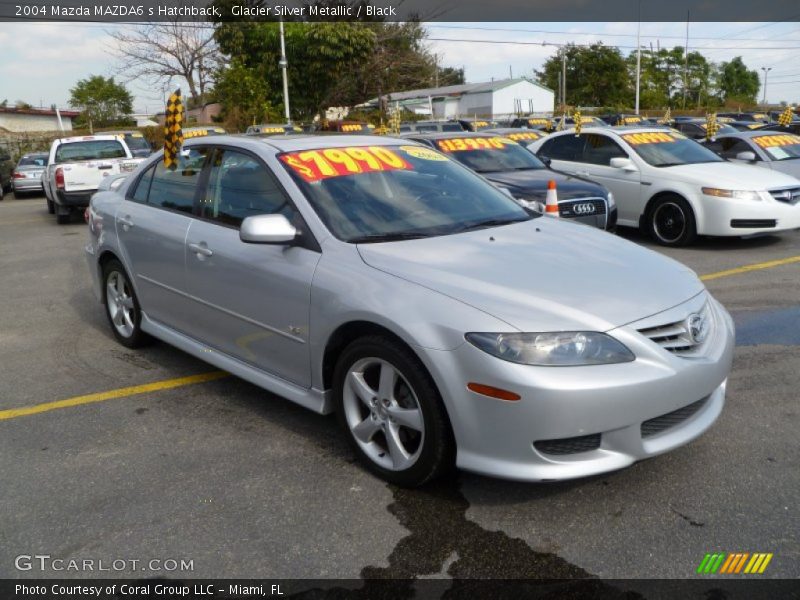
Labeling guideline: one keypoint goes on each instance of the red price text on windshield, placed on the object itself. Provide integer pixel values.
(477, 143)
(315, 165)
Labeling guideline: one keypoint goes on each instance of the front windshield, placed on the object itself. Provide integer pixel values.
(384, 193)
(489, 155)
(669, 149)
(35, 160)
(779, 147)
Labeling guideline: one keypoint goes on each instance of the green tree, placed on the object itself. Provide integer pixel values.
(250, 92)
(103, 101)
(320, 54)
(451, 76)
(737, 83)
(597, 75)
(664, 75)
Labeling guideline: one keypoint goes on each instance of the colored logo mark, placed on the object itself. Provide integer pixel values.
(723, 563)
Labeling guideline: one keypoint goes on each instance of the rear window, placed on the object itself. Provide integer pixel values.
(137, 142)
(33, 161)
(779, 147)
(89, 150)
(489, 154)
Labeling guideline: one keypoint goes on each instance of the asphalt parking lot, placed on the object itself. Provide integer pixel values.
(245, 484)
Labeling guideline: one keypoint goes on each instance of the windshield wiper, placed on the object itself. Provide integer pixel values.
(489, 223)
(388, 237)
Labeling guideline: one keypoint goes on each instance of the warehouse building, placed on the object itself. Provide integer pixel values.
(21, 120)
(501, 98)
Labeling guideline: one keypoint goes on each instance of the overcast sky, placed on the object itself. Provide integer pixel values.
(39, 62)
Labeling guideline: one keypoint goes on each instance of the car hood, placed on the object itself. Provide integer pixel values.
(729, 175)
(542, 274)
(789, 167)
(534, 183)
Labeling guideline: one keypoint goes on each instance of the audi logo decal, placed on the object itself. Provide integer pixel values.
(585, 208)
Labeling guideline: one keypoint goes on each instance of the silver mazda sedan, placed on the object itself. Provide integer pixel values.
(443, 323)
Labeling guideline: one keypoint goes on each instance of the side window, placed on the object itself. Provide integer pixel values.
(239, 186)
(715, 146)
(143, 186)
(175, 188)
(600, 149)
(564, 147)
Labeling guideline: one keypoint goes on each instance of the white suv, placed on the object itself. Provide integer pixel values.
(673, 187)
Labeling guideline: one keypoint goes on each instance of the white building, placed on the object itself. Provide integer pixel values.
(20, 120)
(500, 99)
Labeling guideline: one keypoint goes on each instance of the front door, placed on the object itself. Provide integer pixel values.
(252, 299)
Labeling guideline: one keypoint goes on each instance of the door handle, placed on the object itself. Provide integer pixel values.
(125, 222)
(201, 249)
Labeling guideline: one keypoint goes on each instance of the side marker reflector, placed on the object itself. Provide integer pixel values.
(493, 392)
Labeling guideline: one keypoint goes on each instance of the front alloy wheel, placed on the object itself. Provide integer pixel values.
(672, 222)
(392, 412)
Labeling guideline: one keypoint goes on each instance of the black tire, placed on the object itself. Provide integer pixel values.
(1, 192)
(51, 207)
(62, 218)
(436, 450)
(671, 222)
(137, 337)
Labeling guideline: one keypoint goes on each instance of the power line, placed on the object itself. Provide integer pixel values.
(561, 44)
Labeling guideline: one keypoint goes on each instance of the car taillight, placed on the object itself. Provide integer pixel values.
(18, 175)
(86, 215)
(60, 178)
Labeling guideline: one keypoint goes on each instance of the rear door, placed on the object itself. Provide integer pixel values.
(152, 225)
(253, 300)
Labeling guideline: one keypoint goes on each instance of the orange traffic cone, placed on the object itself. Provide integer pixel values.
(551, 204)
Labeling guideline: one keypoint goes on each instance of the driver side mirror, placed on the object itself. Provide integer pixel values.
(626, 164)
(747, 155)
(545, 159)
(267, 229)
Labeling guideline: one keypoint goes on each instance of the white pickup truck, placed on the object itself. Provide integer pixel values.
(76, 167)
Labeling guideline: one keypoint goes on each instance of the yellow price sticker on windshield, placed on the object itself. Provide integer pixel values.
(538, 121)
(527, 135)
(772, 141)
(324, 163)
(477, 143)
(636, 139)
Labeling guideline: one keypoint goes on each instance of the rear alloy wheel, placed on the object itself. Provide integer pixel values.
(672, 222)
(392, 412)
(122, 306)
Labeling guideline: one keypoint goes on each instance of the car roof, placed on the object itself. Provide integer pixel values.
(443, 135)
(296, 143)
(754, 133)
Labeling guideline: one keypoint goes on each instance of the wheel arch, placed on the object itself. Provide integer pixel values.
(666, 193)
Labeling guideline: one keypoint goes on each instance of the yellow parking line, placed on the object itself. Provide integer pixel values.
(747, 268)
(166, 384)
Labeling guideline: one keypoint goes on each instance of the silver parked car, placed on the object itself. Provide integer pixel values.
(443, 322)
(27, 176)
(769, 149)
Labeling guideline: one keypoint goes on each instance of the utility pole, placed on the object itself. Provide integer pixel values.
(638, 56)
(686, 61)
(564, 77)
(766, 74)
(283, 63)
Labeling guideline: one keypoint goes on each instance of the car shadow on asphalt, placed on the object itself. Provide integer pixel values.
(705, 243)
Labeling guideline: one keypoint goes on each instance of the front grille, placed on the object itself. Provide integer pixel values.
(669, 420)
(677, 338)
(582, 207)
(574, 445)
(788, 195)
(753, 223)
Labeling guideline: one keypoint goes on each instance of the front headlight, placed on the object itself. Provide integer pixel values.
(736, 194)
(556, 349)
(611, 202)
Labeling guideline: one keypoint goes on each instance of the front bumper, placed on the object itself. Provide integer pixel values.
(729, 216)
(604, 407)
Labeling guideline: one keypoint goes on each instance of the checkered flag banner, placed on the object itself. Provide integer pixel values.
(712, 126)
(667, 117)
(786, 116)
(173, 134)
(576, 117)
(561, 122)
